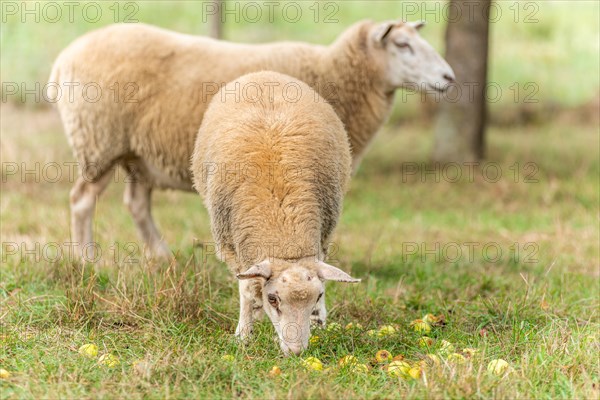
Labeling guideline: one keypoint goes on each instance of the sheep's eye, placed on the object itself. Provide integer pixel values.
(273, 300)
(319, 298)
(403, 45)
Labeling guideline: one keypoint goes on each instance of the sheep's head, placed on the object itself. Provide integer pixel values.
(410, 61)
(290, 291)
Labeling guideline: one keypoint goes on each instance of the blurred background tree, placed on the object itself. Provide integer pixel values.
(542, 65)
(461, 121)
(216, 23)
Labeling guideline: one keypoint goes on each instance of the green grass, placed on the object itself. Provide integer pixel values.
(540, 313)
(543, 55)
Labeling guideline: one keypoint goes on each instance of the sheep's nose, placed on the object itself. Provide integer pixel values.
(449, 78)
(288, 348)
(296, 349)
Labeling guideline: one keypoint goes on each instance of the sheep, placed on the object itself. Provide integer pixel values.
(272, 165)
(155, 85)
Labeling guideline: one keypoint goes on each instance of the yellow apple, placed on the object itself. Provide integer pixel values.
(399, 368)
(109, 360)
(498, 366)
(360, 368)
(446, 347)
(383, 356)
(386, 330)
(415, 372)
(420, 326)
(89, 350)
(348, 360)
(312, 363)
(456, 358)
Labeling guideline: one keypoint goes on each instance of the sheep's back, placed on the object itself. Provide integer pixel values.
(155, 85)
(271, 170)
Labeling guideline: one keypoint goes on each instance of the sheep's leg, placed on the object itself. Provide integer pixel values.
(249, 301)
(83, 197)
(138, 199)
(319, 314)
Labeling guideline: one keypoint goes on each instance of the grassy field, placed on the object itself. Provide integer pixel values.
(543, 55)
(535, 306)
(511, 262)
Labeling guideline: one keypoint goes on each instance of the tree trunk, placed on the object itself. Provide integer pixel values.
(216, 25)
(460, 126)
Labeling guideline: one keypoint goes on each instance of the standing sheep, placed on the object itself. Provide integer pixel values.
(272, 162)
(134, 95)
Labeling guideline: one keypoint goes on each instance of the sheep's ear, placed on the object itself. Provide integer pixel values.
(330, 273)
(417, 24)
(262, 270)
(383, 30)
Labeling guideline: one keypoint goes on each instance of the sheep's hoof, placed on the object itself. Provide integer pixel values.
(244, 334)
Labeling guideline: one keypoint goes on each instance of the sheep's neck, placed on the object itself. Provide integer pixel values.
(349, 81)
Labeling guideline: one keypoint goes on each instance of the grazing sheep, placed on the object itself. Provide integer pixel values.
(155, 85)
(272, 162)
